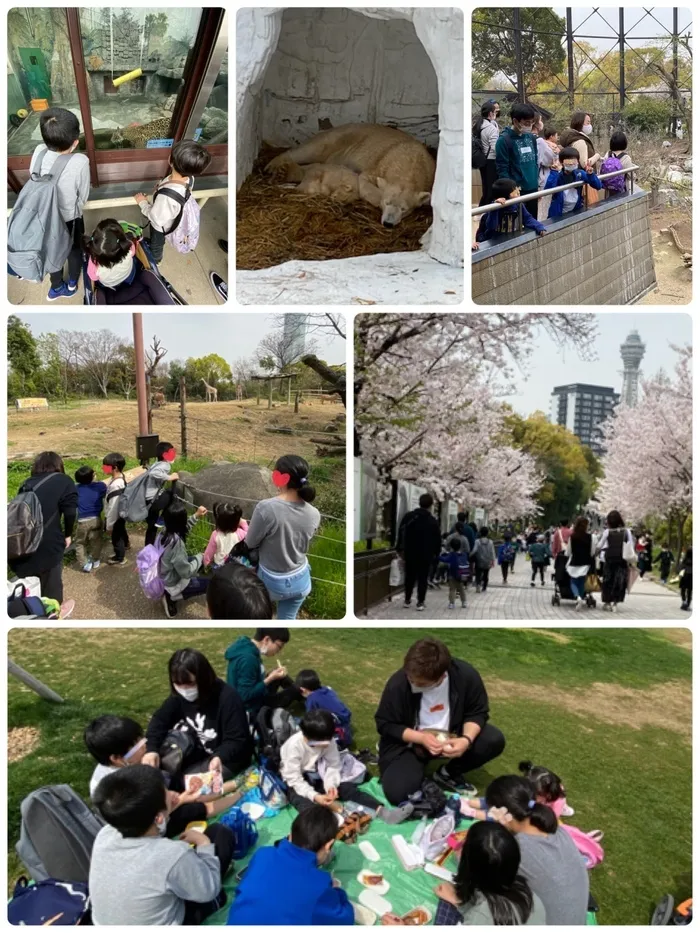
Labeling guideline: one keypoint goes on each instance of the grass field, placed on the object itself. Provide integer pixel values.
(608, 709)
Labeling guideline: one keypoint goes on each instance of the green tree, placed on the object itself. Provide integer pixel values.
(22, 356)
(212, 368)
(50, 379)
(647, 115)
(493, 46)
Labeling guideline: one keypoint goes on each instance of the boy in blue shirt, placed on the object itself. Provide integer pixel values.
(457, 561)
(88, 537)
(318, 697)
(284, 884)
(563, 172)
(504, 220)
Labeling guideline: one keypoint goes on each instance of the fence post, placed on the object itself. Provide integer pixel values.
(570, 55)
(675, 68)
(257, 384)
(149, 403)
(289, 391)
(46, 693)
(296, 402)
(622, 58)
(269, 394)
(183, 417)
(517, 41)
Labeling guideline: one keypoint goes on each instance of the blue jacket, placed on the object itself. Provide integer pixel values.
(499, 222)
(556, 208)
(452, 561)
(283, 886)
(90, 499)
(327, 698)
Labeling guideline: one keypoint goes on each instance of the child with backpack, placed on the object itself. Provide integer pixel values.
(484, 557)
(506, 556)
(174, 213)
(176, 568)
(457, 562)
(616, 159)
(88, 536)
(231, 528)
(316, 696)
(46, 228)
(113, 465)
(140, 877)
(157, 499)
(313, 751)
(563, 172)
(505, 219)
(304, 894)
(539, 555)
(235, 592)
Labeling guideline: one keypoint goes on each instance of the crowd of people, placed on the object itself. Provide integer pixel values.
(150, 865)
(582, 560)
(116, 274)
(528, 156)
(248, 570)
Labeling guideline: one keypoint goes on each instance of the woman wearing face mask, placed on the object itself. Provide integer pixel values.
(485, 129)
(577, 134)
(563, 172)
(434, 707)
(209, 711)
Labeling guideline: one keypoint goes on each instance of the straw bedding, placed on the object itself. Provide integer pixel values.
(274, 224)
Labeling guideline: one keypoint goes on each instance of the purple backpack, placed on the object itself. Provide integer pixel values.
(147, 561)
(184, 234)
(612, 164)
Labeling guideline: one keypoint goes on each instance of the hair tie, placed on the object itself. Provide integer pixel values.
(303, 480)
(531, 804)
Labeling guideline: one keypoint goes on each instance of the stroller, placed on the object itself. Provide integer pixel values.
(562, 584)
(95, 294)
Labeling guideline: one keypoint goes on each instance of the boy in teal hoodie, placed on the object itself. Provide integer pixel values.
(246, 672)
(516, 150)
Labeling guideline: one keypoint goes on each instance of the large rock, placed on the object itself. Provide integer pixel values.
(243, 484)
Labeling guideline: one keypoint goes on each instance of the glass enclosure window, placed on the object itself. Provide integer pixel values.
(135, 114)
(39, 68)
(214, 120)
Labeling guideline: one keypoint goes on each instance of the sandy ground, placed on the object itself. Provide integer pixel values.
(674, 278)
(214, 429)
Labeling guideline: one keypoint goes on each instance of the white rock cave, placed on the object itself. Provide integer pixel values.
(401, 65)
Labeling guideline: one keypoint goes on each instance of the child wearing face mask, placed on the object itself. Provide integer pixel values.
(140, 878)
(505, 220)
(304, 895)
(313, 749)
(564, 171)
(516, 149)
(60, 131)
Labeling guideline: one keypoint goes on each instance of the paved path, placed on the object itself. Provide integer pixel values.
(648, 601)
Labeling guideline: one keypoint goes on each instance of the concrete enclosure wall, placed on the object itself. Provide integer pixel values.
(604, 257)
(402, 65)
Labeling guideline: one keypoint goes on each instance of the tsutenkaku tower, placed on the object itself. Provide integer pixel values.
(632, 352)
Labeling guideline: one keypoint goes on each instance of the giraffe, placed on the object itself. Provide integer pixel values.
(212, 392)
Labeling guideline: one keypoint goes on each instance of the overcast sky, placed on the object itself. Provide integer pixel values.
(549, 366)
(595, 26)
(188, 334)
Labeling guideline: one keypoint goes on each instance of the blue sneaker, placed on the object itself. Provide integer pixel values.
(60, 292)
(160, 523)
(72, 286)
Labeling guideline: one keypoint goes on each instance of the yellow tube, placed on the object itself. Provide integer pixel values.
(127, 77)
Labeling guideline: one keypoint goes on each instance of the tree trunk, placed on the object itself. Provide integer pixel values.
(335, 380)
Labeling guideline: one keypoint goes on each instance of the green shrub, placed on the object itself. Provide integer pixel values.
(649, 115)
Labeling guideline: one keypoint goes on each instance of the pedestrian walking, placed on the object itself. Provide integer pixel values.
(687, 580)
(419, 544)
(506, 557)
(484, 557)
(617, 550)
(664, 559)
(539, 555)
(580, 553)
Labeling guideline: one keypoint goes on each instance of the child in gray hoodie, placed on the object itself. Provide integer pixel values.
(158, 499)
(178, 569)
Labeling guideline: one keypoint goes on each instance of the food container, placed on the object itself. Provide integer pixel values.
(364, 876)
(39, 103)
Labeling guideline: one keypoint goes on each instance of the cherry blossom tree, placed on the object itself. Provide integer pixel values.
(648, 464)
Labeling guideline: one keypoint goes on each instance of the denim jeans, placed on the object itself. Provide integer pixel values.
(578, 586)
(288, 590)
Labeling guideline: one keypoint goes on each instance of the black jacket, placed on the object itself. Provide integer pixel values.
(399, 707)
(419, 536)
(59, 499)
(220, 725)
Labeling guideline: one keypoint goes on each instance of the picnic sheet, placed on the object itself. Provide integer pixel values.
(408, 889)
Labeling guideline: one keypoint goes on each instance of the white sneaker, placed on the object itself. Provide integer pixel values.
(450, 605)
(95, 564)
(579, 603)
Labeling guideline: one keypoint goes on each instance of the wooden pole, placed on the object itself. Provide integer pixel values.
(269, 395)
(149, 396)
(296, 402)
(257, 385)
(289, 391)
(46, 693)
(183, 417)
(141, 398)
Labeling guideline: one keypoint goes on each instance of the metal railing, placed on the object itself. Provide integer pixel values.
(522, 198)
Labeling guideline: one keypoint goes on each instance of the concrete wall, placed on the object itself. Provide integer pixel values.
(603, 257)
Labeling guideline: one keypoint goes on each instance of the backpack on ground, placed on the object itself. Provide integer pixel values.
(613, 164)
(274, 727)
(48, 903)
(25, 521)
(38, 241)
(430, 800)
(147, 565)
(184, 233)
(21, 604)
(431, 836)
(57, 834)
(478, 156)
(245, 832)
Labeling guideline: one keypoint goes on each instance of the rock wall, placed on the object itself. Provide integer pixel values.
(603, 258)
(316, 54)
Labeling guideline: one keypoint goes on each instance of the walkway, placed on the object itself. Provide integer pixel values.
(647, 602)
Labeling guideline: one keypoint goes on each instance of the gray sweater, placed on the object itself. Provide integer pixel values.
(282, 531)
(146, 881)
(556, 872)
(176, 568)
(74, 183)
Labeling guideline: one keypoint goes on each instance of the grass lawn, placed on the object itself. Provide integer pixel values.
(607, 709)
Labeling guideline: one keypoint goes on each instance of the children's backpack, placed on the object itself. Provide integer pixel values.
(478, 156)
(273, 790)
(48, 903)
(274, 727)
(507, 553)
(463, 568)
(25, 521)
(184, 233)
(57, 834)
(21, 604)
(147, 564)
(245, 832)
(591, 850)
(38, 241)
(429, 801)
(132, 502)
(431, 836)
(612, 164)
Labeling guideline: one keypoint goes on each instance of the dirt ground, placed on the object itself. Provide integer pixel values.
(214, 429)
(674, 279)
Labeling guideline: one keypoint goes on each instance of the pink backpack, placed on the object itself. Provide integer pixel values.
(184, 234)
(591, 850)
(147, 561)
